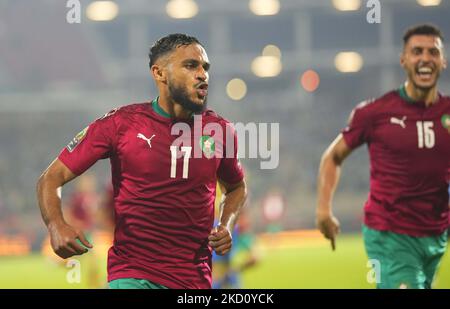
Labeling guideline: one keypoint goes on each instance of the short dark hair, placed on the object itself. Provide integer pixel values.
(425, 29)
(168, 43)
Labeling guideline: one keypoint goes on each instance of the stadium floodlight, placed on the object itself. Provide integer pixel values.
(182, 9)
(266, 66)
(102, 10)
(310, 80)
(269, 63)
(429, 2)
(272, 50)
(264, 7)
(348, 62)
(236, 89)
(347, 5)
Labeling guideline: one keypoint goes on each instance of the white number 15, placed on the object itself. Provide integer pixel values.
(425, 134)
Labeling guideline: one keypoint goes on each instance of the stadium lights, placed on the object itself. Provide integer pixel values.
(269, 63)
(310, 80)
(182, 9)
(347, 5)
(102, 10)
(348, 62)
(272, 50)
(266, 66)
(264, 7)
(429, 2)
(236, 89)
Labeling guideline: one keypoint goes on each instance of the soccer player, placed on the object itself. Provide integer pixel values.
(228, 269)
(163, 192)
(106, 209)
(82, 204)
(407, 132)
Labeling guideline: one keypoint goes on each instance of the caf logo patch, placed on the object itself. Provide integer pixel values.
(77, 139)
(445, 120)
(110, 113)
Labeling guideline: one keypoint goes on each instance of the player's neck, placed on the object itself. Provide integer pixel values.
(173, 109)
(428, 96)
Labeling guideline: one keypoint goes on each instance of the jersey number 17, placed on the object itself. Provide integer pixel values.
(173, 164)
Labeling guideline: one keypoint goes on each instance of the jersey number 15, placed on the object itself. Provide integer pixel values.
(425, 134)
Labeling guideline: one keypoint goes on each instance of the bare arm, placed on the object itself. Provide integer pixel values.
(235, 196)
(62, 236)
(328, 179)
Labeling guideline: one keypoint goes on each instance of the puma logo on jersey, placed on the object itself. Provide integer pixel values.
(400, 122)
(148, 140)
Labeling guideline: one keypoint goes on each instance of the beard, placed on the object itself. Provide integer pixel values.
(180, 95)
(424, 87)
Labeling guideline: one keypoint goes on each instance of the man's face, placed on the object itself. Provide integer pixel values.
(423, 60)
(188, 76)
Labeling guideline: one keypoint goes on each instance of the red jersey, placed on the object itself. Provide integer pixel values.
(163, 195)
(409, 148)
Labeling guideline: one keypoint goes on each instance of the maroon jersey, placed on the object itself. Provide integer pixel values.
(164, 204)
(409, 148)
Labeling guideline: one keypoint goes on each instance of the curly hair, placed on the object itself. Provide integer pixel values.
(169, 43)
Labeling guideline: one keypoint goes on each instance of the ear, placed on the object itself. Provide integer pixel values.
(402, 59)
(444, 63)
(158, 73)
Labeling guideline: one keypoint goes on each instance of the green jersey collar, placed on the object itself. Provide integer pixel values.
(158, 109)
(404, 95)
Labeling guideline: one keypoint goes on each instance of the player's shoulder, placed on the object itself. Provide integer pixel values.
(133, 108)
(444, 103)
(125, 111)
(211, 116)
(377, 104)
(444, 97)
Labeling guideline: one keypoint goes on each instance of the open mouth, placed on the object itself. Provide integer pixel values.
(424, 72)
(202, 89)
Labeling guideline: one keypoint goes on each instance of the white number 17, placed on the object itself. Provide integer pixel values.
(173, 165)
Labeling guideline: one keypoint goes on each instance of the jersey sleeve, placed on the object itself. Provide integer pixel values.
(230, 169)
(93, 143)
(357, 131)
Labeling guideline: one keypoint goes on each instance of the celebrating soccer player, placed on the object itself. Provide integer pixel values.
(407, 132)
(163, 190)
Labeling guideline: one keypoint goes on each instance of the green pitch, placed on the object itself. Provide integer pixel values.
(319, 267)
(305, 267)
(36, 271)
